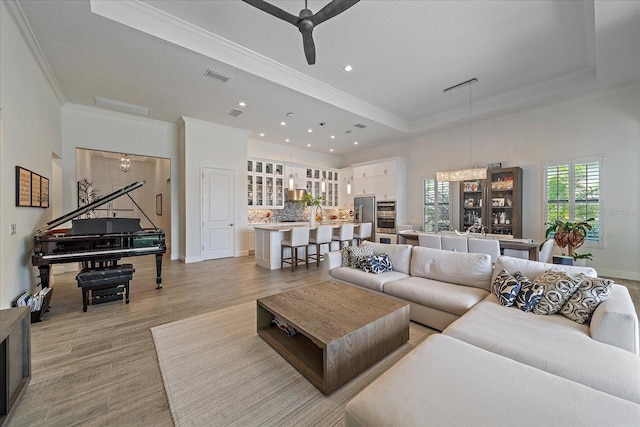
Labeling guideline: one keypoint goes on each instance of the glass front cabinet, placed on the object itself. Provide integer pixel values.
(265, 184)
(495, 202)
(323, 183)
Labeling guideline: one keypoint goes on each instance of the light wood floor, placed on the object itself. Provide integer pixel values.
(100, 367)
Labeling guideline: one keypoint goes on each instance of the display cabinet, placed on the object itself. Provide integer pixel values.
(495, 202)
(323, 183)
(265, 184)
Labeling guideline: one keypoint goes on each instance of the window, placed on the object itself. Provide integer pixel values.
(573, 193)
(436, 205)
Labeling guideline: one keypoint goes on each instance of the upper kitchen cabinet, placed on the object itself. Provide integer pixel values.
(385, 179)
(323, 183)
(265, 184)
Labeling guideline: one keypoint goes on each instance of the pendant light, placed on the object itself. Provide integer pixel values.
(291, 183)
(125, 162)
(469, 173)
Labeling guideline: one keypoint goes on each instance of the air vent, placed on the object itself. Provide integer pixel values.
(217, 75)
(360, 125)
(235, 113)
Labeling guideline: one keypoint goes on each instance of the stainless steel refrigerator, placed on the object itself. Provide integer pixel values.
(364, 209)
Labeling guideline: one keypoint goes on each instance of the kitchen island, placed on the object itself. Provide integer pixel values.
(269, 236)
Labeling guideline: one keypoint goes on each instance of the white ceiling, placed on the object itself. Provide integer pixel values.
(404, 53)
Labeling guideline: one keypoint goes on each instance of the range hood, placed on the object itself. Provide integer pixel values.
(295, 195)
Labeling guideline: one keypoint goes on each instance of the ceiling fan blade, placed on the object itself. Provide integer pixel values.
(273, 10)
(334, 8)
(309, 46)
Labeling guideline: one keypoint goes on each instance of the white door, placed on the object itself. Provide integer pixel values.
(217, 213)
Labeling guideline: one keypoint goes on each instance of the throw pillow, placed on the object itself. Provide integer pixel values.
(558, 288)
(530, 293)
(351, 254)
(357, 252)
(377, 264)
(591, 292)
(506, 288)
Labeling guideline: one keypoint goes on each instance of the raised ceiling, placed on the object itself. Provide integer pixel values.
(404, 53)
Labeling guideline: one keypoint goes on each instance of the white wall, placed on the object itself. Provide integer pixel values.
(31, 134)
(210, 145)
(604, 124)
(96, 129)
(287, 154)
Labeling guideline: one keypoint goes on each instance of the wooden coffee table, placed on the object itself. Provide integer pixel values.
(343, 330)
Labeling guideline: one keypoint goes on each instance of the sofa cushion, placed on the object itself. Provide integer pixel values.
(558, 288)
(530, 293)
(446, 382)
(506, 288)
(400, 255)
(553, 344)
(366, 280)
(533, 269)
(454, 299)
(590, 293)
(453, 267)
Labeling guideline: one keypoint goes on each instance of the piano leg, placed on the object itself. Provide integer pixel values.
(158, 271)
(44, 275)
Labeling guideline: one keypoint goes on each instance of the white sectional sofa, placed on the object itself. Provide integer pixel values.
(496, 365)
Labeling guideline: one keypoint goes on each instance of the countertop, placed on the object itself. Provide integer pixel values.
(286, 226)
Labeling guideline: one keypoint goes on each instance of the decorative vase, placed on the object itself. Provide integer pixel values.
(312, 216)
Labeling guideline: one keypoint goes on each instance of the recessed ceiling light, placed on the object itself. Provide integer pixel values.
(283, 123)
(242, 104)
(308, 145)
(309, 130)
(331, 149)
(286, 140)
(333, 137)
(290, 114)
(355, 142)
(262, 134)
(348, 68)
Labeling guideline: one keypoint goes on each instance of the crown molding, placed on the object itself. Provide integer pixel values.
(157, 23)
(17, 15)
(131, 117)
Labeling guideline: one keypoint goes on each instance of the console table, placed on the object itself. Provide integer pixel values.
(15, 357)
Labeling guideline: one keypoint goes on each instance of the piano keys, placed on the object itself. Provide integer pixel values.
(97, 241)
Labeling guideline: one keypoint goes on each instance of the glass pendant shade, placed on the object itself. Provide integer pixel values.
(461, 174)
(125, 162)
(291, 182)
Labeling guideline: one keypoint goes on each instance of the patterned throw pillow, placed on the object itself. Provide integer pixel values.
(530, 293)
(377, 264)
(506, 288)
(351, 254)
(558, 288)
(591, 292)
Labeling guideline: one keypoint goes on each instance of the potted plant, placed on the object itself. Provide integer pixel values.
(314, 203)
(570, 235)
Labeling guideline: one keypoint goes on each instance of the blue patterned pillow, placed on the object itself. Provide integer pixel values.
(530, 293)
(506, 288)
(377, 264)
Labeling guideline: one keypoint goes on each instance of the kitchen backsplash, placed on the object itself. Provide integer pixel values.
(293, 211)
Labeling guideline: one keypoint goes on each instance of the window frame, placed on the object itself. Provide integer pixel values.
(435, 205)
(571, 164)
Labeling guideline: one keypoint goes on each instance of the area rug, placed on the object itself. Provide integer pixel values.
(217, 371)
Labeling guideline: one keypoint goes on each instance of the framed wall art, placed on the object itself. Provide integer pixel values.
(23, 186)
(35, 190)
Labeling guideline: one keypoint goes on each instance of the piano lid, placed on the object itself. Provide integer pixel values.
(91, 206)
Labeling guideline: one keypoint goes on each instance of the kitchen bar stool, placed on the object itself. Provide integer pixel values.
(343, 235)
(299, 238)
(363, 233)
(320, 236)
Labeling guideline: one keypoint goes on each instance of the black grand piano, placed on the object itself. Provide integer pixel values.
(97, 241)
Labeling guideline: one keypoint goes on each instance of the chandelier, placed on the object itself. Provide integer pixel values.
(125, 162)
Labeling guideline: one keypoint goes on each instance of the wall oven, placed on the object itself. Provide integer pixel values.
(386, 216)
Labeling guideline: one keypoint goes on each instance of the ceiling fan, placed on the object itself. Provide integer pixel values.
(306, 20)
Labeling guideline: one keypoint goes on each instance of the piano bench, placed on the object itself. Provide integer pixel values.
(105, 283)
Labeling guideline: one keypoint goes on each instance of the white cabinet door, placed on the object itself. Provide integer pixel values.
(385, 168)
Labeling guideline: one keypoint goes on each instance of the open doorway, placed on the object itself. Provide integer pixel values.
(99, 173)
